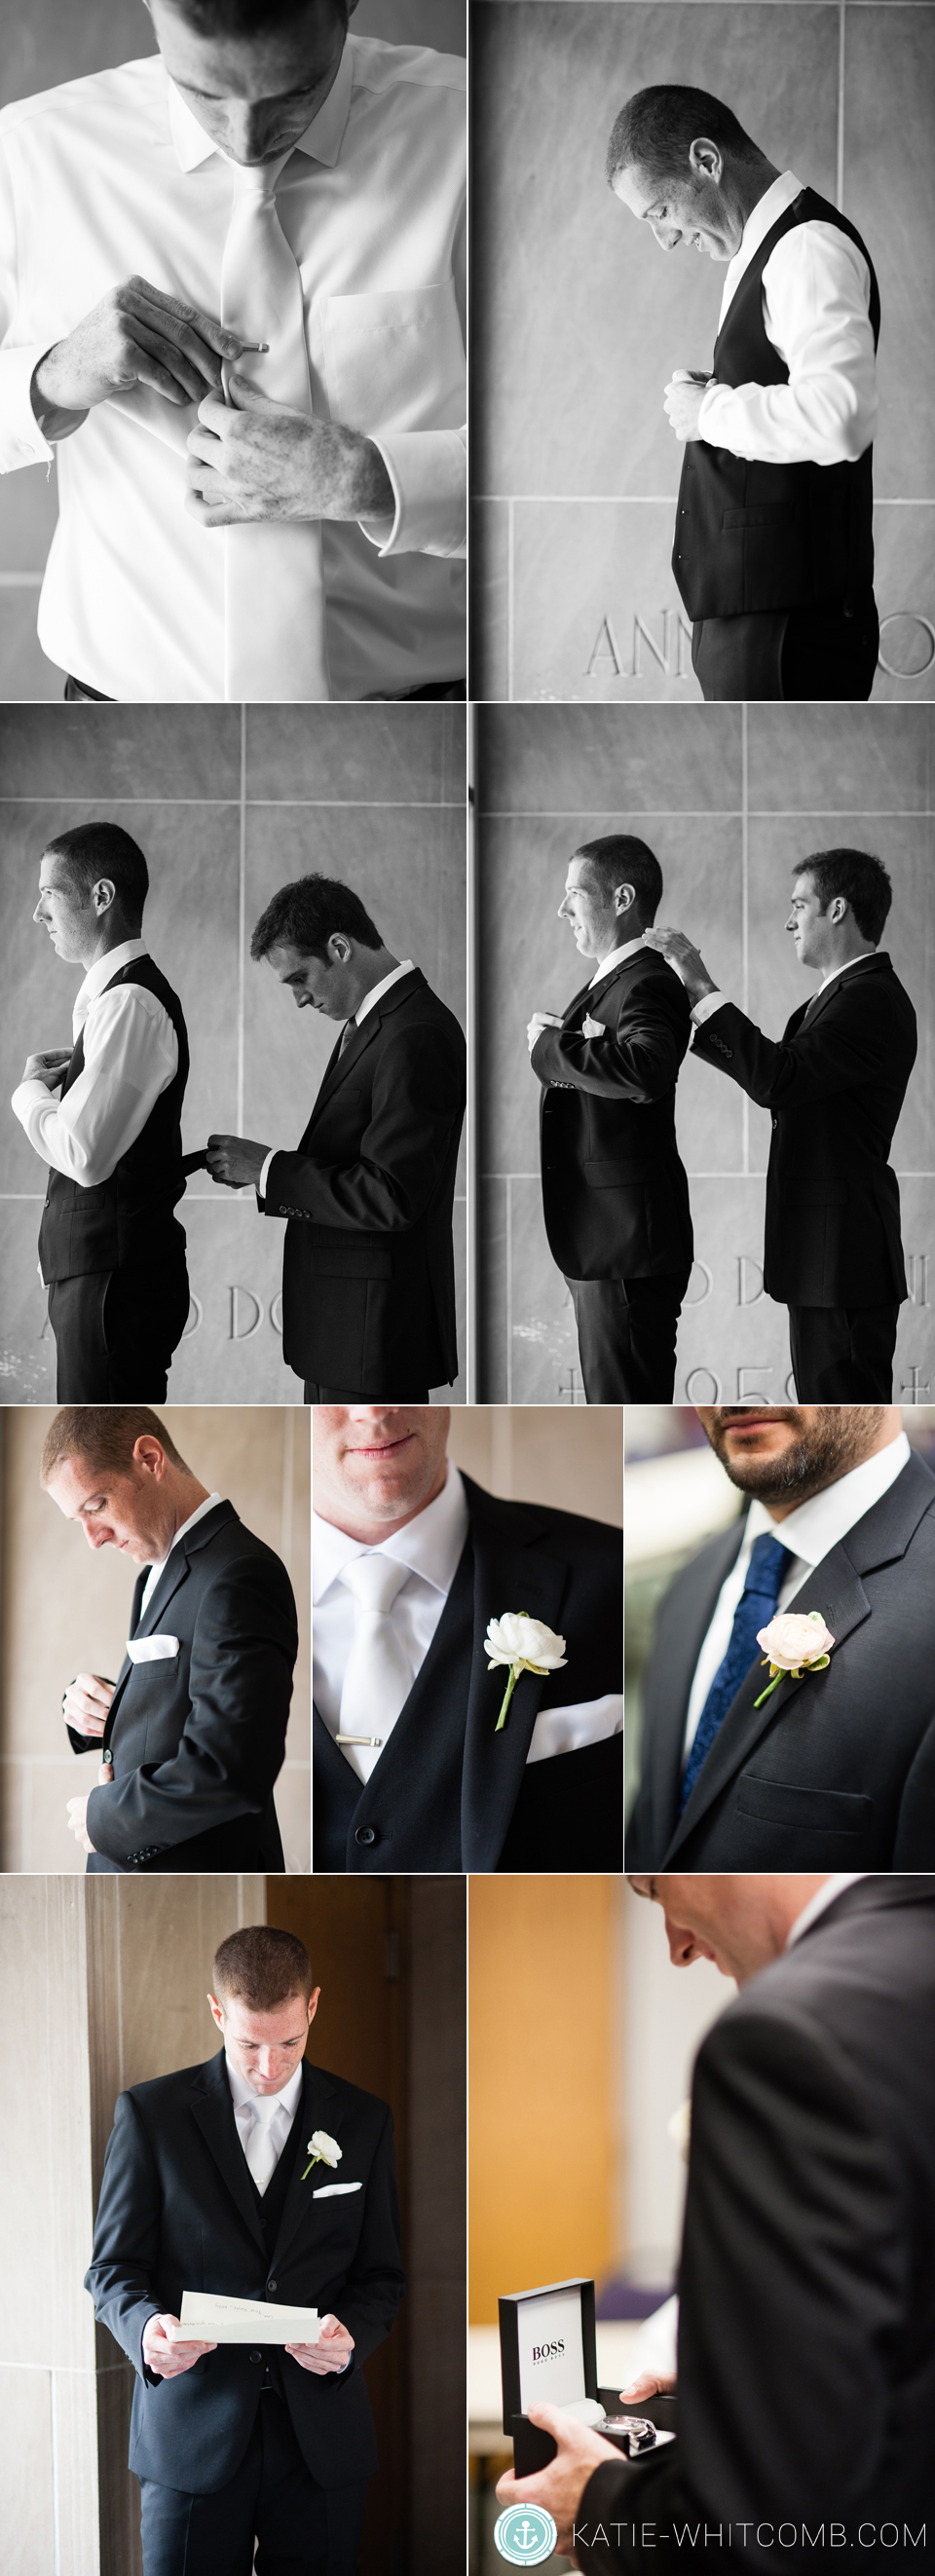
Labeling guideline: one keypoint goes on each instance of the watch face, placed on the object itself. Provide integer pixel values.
(641, 2434)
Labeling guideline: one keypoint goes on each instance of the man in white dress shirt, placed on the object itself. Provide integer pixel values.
(105, 1116)
(835, 1085)
(773, 550)
(614, 1190)
(410, 1562)
(833, 1764)
(231, 299)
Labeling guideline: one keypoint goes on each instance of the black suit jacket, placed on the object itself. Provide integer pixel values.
(197, 1739)
(835, 1089)
(806, 2372)
(449, 1792)
(614, 1191)
(368, 1273)
(838, 1770)
(177, 2212)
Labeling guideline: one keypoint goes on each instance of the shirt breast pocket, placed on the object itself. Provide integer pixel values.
(395, 362)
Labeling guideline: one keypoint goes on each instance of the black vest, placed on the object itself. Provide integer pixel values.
(269, 2209)
(751, 536)
(125, 1220)
(431, 1728)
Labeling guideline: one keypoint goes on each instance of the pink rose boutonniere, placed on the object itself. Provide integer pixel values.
(794, 1645)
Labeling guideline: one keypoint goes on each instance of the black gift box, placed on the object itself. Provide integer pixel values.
(560, 2367)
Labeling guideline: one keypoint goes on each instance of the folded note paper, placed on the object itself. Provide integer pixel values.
(209, 2319)
(152, 1650)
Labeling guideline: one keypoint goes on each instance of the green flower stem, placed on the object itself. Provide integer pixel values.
(315, 2160)
(515, 1671)
(780, 1673)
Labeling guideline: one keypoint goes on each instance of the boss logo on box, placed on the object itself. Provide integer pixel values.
(547, 2351)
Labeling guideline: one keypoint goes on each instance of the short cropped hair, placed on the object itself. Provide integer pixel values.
(245, 17)
(862, 879)
(105, 1436)
(618, 859)
(304, 915)
(262, 1967)
(656, 128)
(94, 850)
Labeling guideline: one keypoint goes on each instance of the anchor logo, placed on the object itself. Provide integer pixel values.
(525, 2535)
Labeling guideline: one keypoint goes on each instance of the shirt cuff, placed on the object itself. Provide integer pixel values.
(428, 471)
(22, 442)
(705, 1009)
(264, 1175)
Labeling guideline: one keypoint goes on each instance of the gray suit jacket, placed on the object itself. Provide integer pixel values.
(837, 1771)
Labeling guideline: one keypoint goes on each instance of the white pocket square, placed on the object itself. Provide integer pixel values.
(152, 1650)
(330, 2190)
(592, 1028)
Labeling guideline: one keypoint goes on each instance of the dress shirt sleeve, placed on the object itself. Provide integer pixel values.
(264, 1175)
(130, 1056)
(21, 439)
(428, 471)
(816, 292)
(705, 1009)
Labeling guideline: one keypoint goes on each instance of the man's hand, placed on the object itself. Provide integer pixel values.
(561, 2486)
(135, 335)
(651, 2383)
(235, 1160)
(86, 1703)
(256, 459)
(332, 2351)
(77, 1817)
(673, 945)
(541, 1020)
(685, 393)
(48, 1068)
(167, 2352)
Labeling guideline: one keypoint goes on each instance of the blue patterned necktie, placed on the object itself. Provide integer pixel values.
(766, 1572)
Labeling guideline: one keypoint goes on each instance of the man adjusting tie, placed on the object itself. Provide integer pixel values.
(614, 1191)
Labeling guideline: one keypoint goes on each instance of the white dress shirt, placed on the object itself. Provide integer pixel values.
(246, 2104)
(824, 1896)
(130, 1056)
(810, 1532)
(711, 1002)
(156, 1570)
(113, 176)
(431, 1545)
(816, 312)
(366, 1005)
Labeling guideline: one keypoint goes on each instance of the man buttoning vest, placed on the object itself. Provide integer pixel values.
(111, 1250)
(773, 550)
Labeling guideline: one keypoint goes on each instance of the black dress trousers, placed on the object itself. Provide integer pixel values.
(302, 2529)
(116, 1332)
(626, 1337)
(828, 651)
(843, 1354)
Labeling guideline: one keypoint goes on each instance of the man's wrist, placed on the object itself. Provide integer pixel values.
(706, 1004)
(50, 416)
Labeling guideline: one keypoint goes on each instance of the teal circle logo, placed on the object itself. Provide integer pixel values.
(525, 2535)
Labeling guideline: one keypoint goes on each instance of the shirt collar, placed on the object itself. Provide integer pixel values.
(321, 141)
(815, 1527)
(833, 1886)
(845, 969)
(430, 1545)
(781, 193)
(405, 968)
(199, 1515)
(243, 2099)
(616, 958)
(104, 967)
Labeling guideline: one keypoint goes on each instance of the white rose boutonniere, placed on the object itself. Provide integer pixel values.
(322, 2150)
(526, 1646)
(794, 1645)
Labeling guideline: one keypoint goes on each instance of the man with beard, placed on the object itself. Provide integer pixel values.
(834, 1760)
(806, 2376)
(835, 1083)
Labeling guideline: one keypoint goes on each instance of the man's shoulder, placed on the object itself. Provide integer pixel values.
(418, 1008)
(570, 1533)
(125, 91)
(352, 2098)
(229, 1549)
(871, 1954)
(381, 67)
(160, 2093)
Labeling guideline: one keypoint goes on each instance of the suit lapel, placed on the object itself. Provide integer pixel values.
(175, 1572)
(696, 1610)
(315, 2111)
(833, 1587)
(343, 1064)
(505, 1578)
(812, 1010)
(213, 2112)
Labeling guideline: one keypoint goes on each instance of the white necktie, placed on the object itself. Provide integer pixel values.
(264, 2144)
(378, 1675)
(274, 595)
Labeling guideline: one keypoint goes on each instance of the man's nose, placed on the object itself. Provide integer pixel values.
(39, 914)
(248, 127)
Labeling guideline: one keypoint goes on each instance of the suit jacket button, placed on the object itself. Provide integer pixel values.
(271, 2285)
(365, 1834)
(256, 2356)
